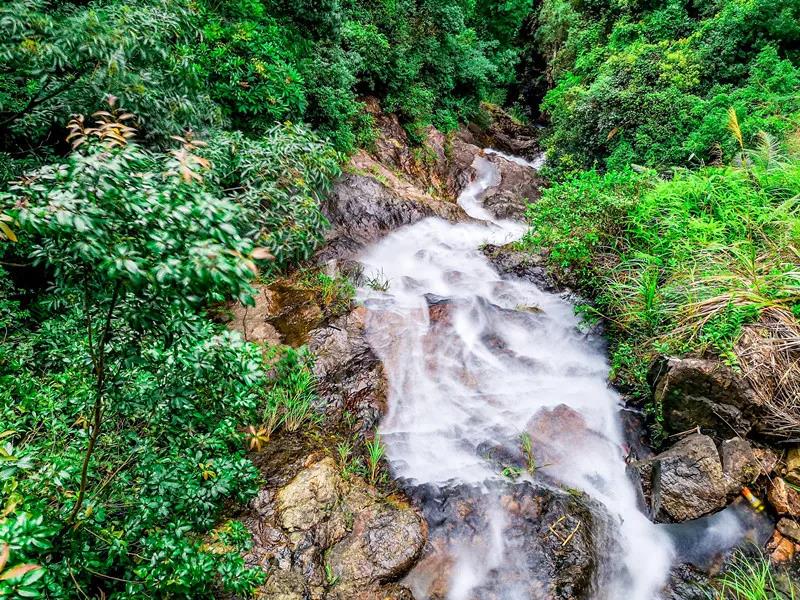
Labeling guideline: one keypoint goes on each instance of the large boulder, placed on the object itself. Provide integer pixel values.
(324, 534)
(519, 185)
(507, 260)
(686, 481)
(703, 392)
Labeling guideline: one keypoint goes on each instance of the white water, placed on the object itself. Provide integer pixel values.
(451, 389)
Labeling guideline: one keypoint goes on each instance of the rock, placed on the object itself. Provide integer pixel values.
(524, 265)
(309, 498)
(780, 549)
(350, 378)
(687, 583)
(767, 458)
(686, 481)
(324, 536)
(793, 465)
(739, 464)
(252, 321)
(783, 498)
(552, 541)
(706, 393)
(790, 529)
(357, 592)
(506, 133)
(383, 545)
(519, 186)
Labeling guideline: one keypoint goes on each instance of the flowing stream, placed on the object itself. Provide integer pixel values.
(473, 361)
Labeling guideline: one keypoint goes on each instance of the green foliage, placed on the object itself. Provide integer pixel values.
(121, 402)
(278, 179)
(677, 265)
(375, 452)
(650, 84)
(58, 59)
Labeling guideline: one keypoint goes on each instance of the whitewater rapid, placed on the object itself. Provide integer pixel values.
(451, 394)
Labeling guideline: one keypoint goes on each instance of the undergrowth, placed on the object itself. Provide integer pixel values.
(677, 263)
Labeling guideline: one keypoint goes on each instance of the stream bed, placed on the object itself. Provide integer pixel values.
(501, 424)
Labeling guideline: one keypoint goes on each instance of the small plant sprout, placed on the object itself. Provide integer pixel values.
(378, 281)
(331, 578)
(527, 450)
(375, 452)
(344, 450)
(511, 472)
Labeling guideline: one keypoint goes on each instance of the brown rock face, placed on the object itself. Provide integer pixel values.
(329, 537)
(383, 545)
(350, 378)
(519, 186)
(781, 549)
(553, 541)
(706, 393)
(784, 498)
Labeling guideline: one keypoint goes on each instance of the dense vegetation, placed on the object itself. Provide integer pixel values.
(210, 129)
(675, 156)
(155, 157)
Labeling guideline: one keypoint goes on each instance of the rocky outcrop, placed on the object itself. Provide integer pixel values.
(519, 186)
(521, 264)
(506, 133)
(350, 377)
(553, 542)
(327, 535)
(703, 392)
(396, 184)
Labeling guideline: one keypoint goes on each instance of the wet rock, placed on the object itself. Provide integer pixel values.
(780, 548)
(519, 186)
(253, 321)
(686, 481)
(784, 498)
(309, 498)
(552, 543)
(283, 585)
(739, 464)
(357, 592)
(383, 545)
(706, 393)
(687, 583)
(363, 207)
(284, 313)
(350, 378)
(524, 265)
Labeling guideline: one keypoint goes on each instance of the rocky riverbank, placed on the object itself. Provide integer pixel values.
(324, 528)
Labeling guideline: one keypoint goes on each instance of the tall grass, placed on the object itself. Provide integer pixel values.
(751, 579)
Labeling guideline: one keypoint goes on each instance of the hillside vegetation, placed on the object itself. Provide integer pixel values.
(156, 157)
(675, 155)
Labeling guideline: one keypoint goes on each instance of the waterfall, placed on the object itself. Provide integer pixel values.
(475, 361)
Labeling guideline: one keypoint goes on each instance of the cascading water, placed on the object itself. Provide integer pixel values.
(473, 361)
